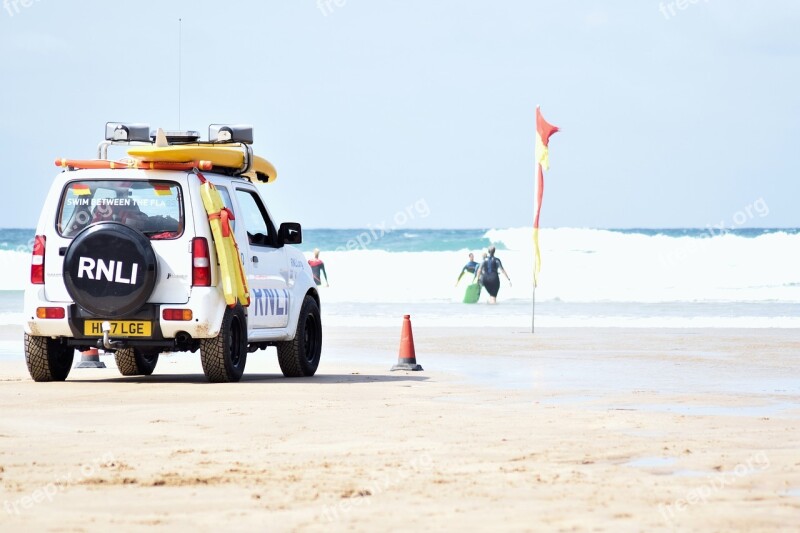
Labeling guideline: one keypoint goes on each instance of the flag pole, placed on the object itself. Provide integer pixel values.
(543, 132)
(534, 253)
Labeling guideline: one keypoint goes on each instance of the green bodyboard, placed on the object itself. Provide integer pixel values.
(472, 293)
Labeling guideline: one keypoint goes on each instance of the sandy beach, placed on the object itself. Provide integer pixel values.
(568, 430)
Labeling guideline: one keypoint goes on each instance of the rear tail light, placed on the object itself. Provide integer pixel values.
(50, 312)
(37, 260)
(177, 314)
(201, 263)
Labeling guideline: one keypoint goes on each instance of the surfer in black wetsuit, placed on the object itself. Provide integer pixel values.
(318, 268)
(470, 267)
(489, 275)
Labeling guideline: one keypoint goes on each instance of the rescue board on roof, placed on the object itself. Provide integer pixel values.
(231, 156)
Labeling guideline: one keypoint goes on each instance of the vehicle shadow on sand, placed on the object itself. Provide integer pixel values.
(254, 379)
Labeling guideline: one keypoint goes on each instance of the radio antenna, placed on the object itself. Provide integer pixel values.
(180, 43)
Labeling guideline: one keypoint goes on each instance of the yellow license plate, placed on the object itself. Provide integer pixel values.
(119, 328)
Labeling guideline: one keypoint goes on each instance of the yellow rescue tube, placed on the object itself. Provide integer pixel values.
(220, 155)
(234, 282)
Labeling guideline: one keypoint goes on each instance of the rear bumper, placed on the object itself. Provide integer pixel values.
(206, 303)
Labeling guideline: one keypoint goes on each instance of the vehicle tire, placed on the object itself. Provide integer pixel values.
(48, 359)
(135, 362)
(299, 357)
(225, 356)
(110, 269)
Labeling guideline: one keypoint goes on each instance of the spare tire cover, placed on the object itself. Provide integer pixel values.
(110, 269)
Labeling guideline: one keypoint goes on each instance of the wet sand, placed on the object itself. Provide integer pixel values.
(567, 430)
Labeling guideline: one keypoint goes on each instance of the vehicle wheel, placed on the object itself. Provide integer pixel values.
(110, 269)
(47, 359)
(225, 355)
(299, 357)
(135, 362)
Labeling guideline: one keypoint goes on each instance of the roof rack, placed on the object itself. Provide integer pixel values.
(124, 133)
(177, 137)
(118, 131)
(221, 136)
(230, 133)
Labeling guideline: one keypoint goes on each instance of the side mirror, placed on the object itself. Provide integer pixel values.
(290, 233)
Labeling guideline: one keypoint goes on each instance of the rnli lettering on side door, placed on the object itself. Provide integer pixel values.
(270, 302)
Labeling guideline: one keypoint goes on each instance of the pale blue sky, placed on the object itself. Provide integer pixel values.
(671, 117)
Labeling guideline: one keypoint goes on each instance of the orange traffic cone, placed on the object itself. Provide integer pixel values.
(407, 359)
(90, 359)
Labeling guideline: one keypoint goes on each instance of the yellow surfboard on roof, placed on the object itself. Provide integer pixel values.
(220, 155)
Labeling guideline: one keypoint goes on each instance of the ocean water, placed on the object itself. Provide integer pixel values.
(589, 277)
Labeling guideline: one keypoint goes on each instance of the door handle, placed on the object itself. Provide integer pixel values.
(255, 259)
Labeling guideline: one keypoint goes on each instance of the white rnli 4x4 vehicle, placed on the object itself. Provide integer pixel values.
(133, 257)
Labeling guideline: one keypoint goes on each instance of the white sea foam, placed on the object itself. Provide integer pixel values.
(581, 265)
(14, 270)
(333, 318)
(578, 265)
(588, 278)
(11, 319)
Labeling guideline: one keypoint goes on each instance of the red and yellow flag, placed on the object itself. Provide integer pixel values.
(543, 132)
(80, 189)
(162, 189)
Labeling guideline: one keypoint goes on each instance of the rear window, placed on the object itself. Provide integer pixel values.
(152, 207)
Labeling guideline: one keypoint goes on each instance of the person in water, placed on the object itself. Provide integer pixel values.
(489, 275)
(471, 267)
(318, 269)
